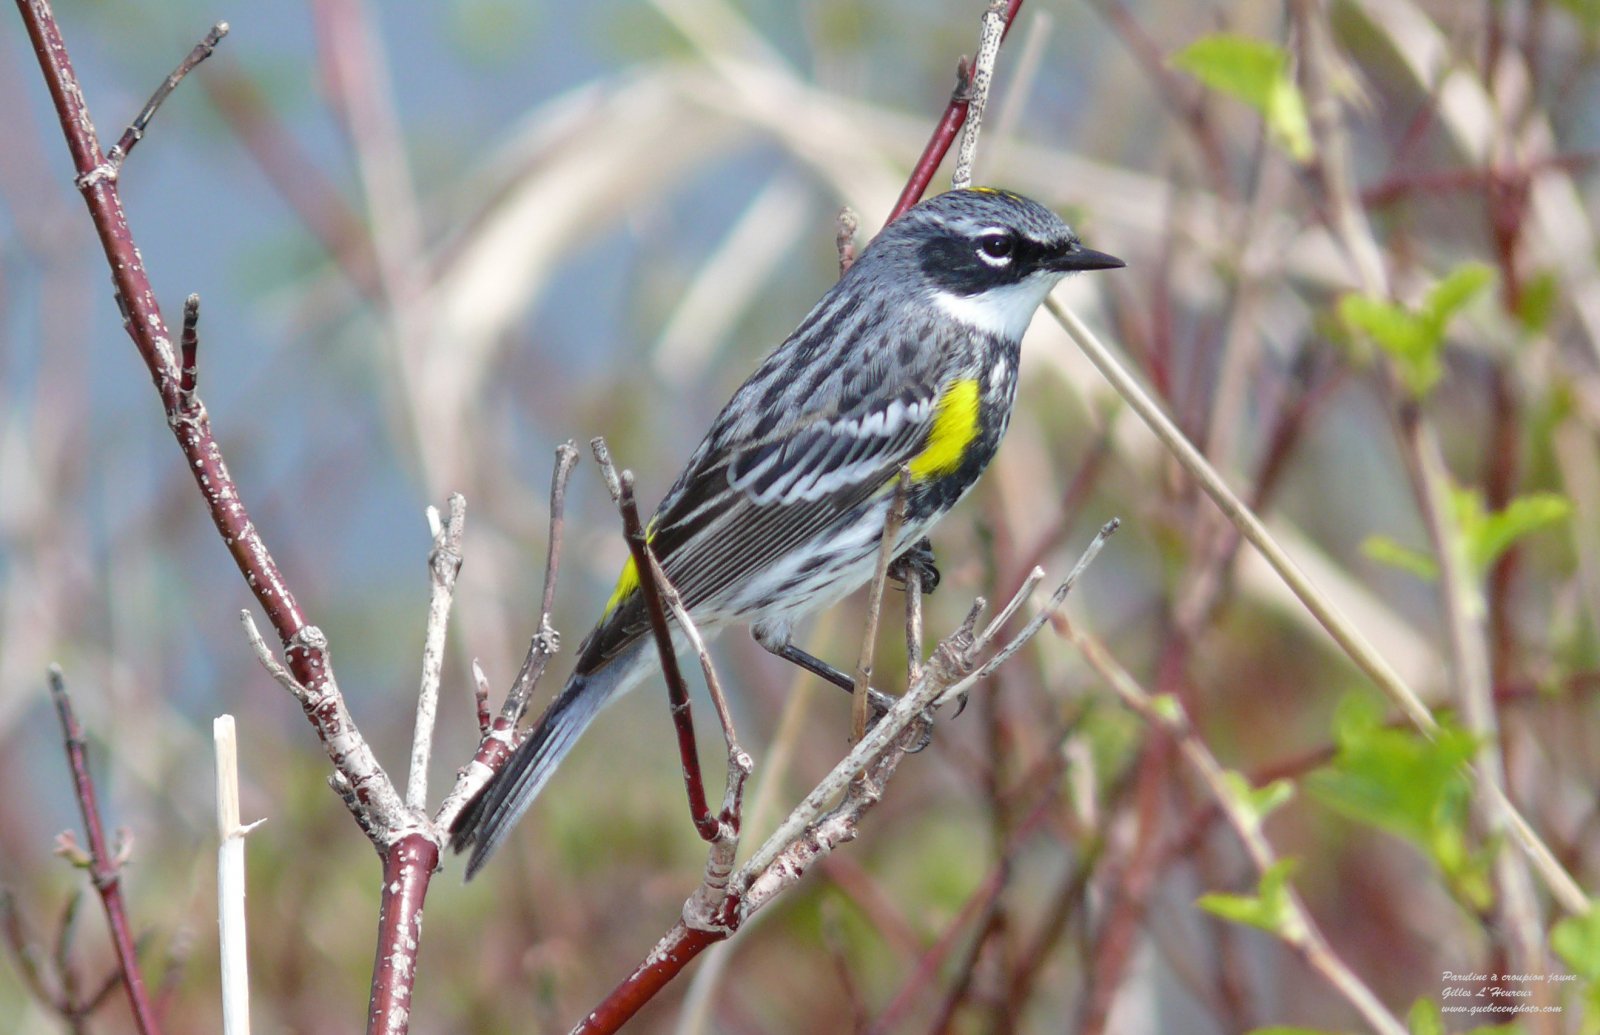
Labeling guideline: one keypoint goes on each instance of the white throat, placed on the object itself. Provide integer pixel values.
(1004, 311)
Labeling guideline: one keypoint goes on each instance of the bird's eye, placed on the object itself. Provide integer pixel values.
(996, 247)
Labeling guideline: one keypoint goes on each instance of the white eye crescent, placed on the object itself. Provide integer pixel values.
(996, 248)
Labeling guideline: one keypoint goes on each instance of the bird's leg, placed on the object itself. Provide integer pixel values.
(918, 557)
(784, 648)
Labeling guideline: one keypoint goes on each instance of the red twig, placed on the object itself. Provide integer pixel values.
(407, 867)
(104, 868)
(945, 133)
(671, 954)
(360, 780)
(677, 691)
(97, 181)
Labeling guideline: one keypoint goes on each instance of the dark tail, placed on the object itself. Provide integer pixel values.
(491, 815)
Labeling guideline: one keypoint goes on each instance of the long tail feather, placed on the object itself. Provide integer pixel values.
(485, 823)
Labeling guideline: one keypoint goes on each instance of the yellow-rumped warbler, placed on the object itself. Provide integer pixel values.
(910, 359)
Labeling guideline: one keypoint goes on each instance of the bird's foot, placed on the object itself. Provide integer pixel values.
(917, 558)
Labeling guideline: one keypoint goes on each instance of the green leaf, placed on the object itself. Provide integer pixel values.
(1425, 1018)
(1256, 802)
(1269, 908)
(1387, 551)
(1256, 72)
(1490, 535)
(1460, 286)
(1400, 781)
(1576, 940)
(1538, 302)
(1587, 12)
(1414, 338)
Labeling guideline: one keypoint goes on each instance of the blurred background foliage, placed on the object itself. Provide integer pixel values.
(435, 240)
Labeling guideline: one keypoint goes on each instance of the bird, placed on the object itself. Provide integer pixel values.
(909, 361)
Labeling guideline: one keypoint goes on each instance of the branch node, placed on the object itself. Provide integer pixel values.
(269, 661)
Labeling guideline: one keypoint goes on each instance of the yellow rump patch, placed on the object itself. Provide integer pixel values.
(955, 427)
(628, 581)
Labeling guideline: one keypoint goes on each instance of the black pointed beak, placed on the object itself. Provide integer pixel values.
(1078, 258)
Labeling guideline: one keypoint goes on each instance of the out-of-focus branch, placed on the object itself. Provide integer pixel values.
(1298, 929)
(1350, 639)
(1461, 597)
(104, 866)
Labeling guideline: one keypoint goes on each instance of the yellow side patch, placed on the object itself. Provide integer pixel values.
(628, 581)
(955, 427)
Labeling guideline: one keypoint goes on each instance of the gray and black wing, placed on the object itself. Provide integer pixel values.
(739, 506)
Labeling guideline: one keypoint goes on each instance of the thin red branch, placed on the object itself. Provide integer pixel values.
(945, 133)
(409, 850)
(97, 181)
(676, 950)
(705, 824)
(104, 868)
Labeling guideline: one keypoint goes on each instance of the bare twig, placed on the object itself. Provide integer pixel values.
(444, 564)
(546, 641)
(827, 817)
(996, 21)
(650, 590)
(408, 866)
(104, 866)
(913, 589)
(498, 738)
(869, 638)
(305, 647)
(944, 134)
(480, 698)
(135, 131)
